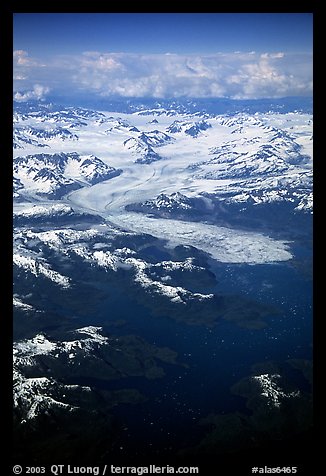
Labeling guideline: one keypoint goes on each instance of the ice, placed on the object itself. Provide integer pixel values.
(223, 244)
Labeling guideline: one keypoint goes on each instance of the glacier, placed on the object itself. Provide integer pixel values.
(251, 155)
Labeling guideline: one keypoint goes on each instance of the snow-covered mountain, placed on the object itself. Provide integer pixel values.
(191, 128)
(174, 205)
(42, 365)
(155, 138)
(40, 137)
(54, 175)
(199, 106)
(43, 113)
(142, 150)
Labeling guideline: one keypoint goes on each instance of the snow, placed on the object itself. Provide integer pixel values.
(176, 294)
(124, 252)
(62, 172)
(306, 203)
(178, 265)
(36, 346)
(270, 389)
(54, 239)
(24, 351)
(34, 396)
(94, 332)
(103, 259)
(106, 260)
(72, 170)
(36, 267)
(28, 210)
(22, 305)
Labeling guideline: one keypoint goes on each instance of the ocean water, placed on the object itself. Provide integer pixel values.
(212, 359)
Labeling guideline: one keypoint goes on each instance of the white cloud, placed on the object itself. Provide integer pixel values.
(237, 75)
(19, 77)
(272, 55)
(265, 78)
(38, 92)
(99, 61)
(21, 58)
(241, 75)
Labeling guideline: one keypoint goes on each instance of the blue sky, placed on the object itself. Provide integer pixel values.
(240, 55)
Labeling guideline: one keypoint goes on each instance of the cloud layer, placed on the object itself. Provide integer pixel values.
(235, 75)
(38, 92)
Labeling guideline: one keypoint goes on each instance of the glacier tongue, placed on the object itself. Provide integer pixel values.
(223, 244)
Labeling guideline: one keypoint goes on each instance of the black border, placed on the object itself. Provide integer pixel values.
(306, 454)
